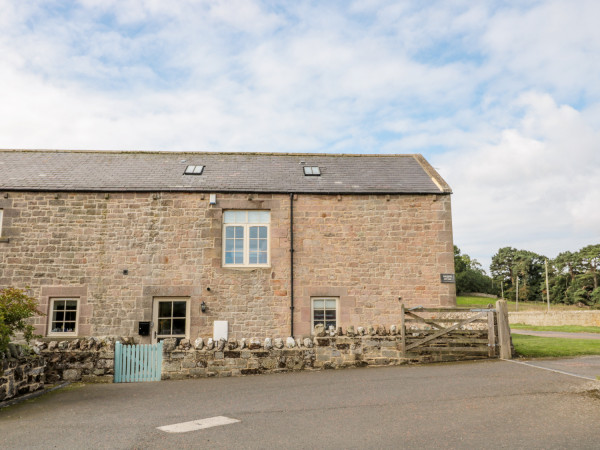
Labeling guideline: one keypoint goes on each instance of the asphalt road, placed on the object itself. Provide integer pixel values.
(487, 404)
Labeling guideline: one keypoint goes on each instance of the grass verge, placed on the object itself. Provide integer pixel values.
(543, 347)
(564, 328)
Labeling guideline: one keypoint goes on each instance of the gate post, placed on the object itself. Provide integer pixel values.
(503, 330)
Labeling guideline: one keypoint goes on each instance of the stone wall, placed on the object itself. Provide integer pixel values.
(556, 318)
(90, 359)
(20, 374)
(116, 252)
(371, 348)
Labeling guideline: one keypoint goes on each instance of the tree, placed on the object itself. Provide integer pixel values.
(509, 264)
(470, 276)
(15, 308)
(590, 258)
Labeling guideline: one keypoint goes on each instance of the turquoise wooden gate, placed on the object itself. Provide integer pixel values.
(134, 363)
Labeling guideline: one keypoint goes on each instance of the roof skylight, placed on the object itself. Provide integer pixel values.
(312, 171)
(193, 170)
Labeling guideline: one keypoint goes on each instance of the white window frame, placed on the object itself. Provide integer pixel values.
(51, 316)
(312, 311)
(246, 249)
(155, 317)
(1, 218)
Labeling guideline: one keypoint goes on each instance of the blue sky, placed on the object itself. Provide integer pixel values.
(502, 97)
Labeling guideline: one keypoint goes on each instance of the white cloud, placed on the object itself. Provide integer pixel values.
(535, 189)
(501, 96)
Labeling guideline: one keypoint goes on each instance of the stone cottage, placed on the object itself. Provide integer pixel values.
(159, 244)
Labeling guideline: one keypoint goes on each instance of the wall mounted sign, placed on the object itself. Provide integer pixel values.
(447, 278)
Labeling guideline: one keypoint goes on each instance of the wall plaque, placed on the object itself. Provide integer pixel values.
(447, 278)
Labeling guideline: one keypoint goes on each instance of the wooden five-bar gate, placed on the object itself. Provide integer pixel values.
(135, 363)
(456, 333)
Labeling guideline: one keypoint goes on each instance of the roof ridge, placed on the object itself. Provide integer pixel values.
(168, 152)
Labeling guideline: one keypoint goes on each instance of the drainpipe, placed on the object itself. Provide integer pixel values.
(291, 265)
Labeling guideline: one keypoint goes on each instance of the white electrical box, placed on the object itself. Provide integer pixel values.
(221, 330)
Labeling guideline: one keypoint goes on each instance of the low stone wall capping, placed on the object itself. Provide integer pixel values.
(556, 318)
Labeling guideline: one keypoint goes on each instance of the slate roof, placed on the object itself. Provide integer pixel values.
(116, 171)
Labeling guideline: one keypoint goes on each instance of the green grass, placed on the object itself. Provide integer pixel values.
(543, 347)
(474, 302)
(564, 328)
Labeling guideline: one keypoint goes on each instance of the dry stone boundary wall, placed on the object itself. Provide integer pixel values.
(20, 373)
(556, 318)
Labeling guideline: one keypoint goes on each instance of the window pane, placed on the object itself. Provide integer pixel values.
(259, 216)
(253, 244)
(253, 232)
(329, 323)
(238, 258)
(229, 232)
(179, 309)
(253, 258)
(164, 309)
(69, 327)
(318, 303)
(228, 257)
(71, 304)
(239, 245)
(330, 304)
(178, 326)
(58, 316)
(229, 217)
(240, 216)
(263, 232)
(70, 315)
(262, 245)
(319, 314)
(228, 245)
(330, 315)
(57, 327)
(262, 258)
(59, 305)
(164, 326)
(239, 232)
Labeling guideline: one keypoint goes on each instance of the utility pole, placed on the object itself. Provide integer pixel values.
(547, 288)
(502, 288)
(517, 292)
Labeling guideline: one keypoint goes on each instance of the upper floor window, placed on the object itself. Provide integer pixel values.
(246, 238)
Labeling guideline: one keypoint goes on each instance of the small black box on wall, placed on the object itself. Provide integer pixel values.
(144, 329)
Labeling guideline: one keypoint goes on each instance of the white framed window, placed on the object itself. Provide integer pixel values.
(63, 317)
(246, 238)
(324, 312)
(171, 318)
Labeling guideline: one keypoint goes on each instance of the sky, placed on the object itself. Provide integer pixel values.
(502, 97)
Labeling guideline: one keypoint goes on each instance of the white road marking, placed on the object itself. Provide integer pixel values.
(551, 370)
(195, 425)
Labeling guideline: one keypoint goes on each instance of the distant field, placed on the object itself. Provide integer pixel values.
(563, 328)
(479, 302)
(544, 347)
